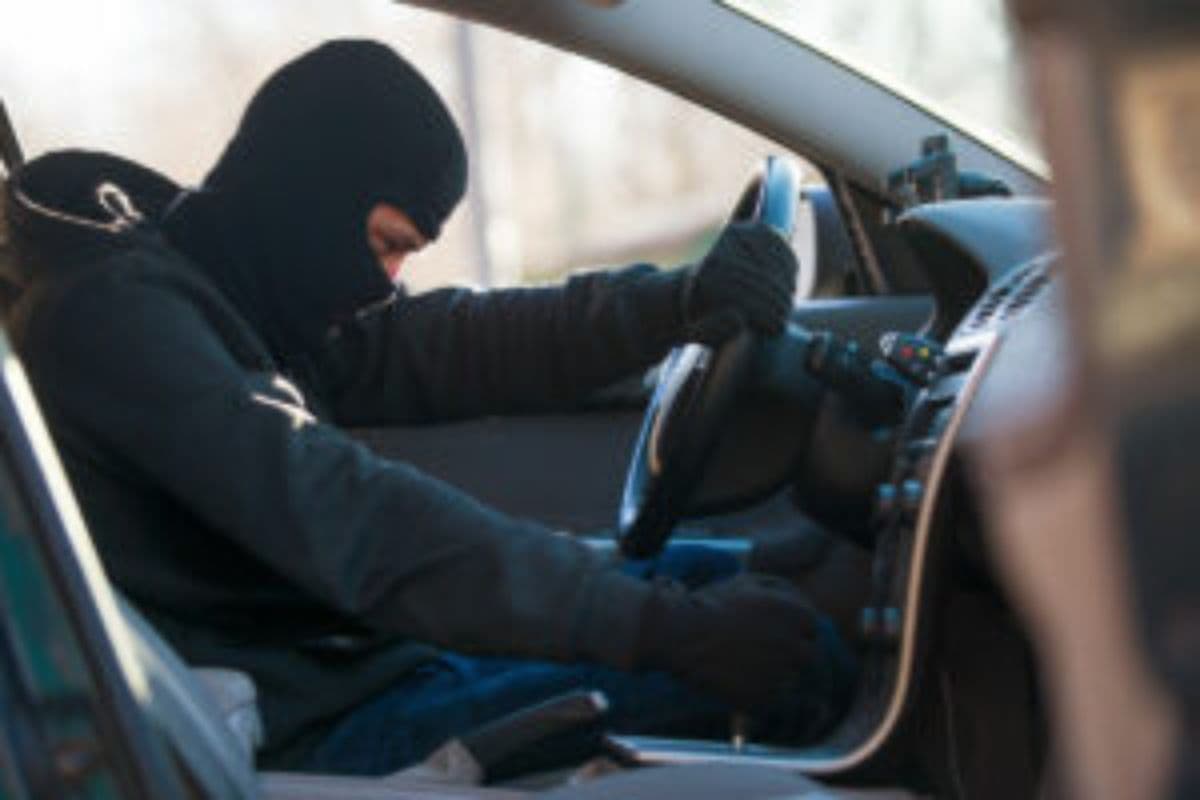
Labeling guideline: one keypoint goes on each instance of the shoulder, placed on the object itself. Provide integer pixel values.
(146, 290)
(132, 281)
(122, 315)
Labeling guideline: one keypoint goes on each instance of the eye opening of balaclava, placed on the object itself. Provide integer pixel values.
(329, 135)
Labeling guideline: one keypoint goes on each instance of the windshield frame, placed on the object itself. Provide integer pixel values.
(1028, 156)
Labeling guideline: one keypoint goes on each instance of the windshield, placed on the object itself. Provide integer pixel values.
(955, 58)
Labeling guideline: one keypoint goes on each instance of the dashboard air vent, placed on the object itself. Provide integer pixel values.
(1007, 298)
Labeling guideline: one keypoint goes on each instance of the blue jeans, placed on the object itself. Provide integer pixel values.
(454, 694)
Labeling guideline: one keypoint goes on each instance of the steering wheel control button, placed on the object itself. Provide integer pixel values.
(915, 357)
(912, 492)
(870, 387)
(885, 500)
(918, 448)
(948, 387)
(869, 624)
(919, 454)
(890, 623)
(880, 626)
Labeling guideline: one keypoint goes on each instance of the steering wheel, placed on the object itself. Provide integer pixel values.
(697, 390)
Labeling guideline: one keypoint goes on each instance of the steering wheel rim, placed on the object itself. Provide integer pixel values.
(697, 390)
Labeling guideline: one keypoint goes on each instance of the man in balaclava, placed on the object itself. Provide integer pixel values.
(194, 385)
(281, 222)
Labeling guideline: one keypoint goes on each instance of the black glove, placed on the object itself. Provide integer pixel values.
(745, 639)
(750, 270)
(790, 552)
(834, 574)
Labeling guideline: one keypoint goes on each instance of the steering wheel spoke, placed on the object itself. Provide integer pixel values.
(697, 393)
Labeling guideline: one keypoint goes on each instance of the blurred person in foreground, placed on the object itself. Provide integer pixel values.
(197, 367)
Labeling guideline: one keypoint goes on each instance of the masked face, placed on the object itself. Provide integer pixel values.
(392, 236)
(346, 135)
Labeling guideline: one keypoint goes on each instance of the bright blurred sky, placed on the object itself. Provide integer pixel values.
(956, 57)
(141, 76)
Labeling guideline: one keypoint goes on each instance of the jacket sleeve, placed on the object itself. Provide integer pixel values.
(456, 353)
(133, 371)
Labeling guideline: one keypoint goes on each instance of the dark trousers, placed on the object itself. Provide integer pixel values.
(453, 694)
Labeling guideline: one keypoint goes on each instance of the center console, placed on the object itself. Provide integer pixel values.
(909, 542)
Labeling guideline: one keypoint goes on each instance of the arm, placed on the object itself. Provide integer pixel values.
(453, 353)
(374, 540)
(456, 353)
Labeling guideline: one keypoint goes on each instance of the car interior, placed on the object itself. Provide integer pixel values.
(948, 243)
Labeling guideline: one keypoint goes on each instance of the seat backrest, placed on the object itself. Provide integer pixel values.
(196, 724)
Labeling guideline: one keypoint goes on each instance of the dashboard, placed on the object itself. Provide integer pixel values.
(1001, 248)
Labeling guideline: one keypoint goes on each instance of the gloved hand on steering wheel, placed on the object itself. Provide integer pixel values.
(751, 640)
(750, 271)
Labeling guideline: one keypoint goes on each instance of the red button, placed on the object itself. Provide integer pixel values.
(906, 352)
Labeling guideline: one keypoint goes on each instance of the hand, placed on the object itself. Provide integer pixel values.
(834, 574)
(751, 271)
(746, 639)
(790, 552)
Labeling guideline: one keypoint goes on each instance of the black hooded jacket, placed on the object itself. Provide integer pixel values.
(189, 378)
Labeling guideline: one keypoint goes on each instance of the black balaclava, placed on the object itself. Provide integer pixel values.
(280, 221)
